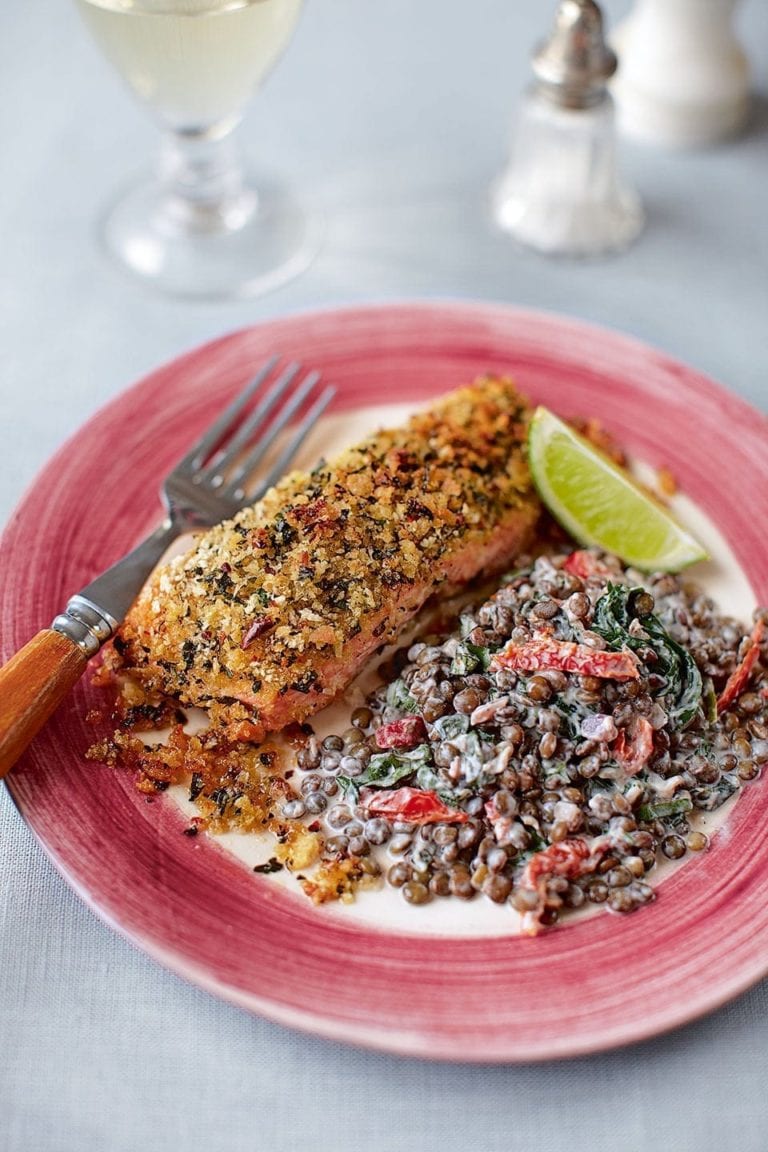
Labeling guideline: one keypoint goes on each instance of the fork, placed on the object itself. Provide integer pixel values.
(218, 476)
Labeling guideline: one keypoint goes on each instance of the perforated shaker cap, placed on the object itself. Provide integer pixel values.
(575, 63)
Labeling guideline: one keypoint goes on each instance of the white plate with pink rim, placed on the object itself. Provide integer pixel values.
(442, 981)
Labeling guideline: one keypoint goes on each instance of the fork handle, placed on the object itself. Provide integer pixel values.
(32, 685)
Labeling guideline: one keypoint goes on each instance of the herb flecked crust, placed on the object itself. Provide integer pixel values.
(272, 613)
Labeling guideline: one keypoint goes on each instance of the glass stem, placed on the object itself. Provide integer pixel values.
(204, 188)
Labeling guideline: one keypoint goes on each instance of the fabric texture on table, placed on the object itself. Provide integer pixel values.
(394, 118)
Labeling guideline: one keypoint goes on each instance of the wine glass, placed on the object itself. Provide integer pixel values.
(198, 226)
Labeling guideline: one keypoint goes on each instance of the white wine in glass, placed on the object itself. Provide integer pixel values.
(198, 227)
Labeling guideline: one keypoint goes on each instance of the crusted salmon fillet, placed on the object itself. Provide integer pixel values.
(273, 613)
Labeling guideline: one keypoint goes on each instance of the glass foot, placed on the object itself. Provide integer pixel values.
(245, 245)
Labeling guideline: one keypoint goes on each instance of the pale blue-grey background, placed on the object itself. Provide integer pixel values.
(394, 117)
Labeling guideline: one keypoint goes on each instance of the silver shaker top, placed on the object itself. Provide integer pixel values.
(574, 65)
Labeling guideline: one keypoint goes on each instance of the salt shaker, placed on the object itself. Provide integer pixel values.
(684, 79)
(561, 192)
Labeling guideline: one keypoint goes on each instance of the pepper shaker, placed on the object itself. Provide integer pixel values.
(684, 79)
(561, 191)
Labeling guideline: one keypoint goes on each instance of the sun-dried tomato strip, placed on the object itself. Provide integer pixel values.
(739, 679)
(586, 565)
(405, 733)
(564, 859)
(566, 656)
(415, 805)
(633, 747)
(569, 858)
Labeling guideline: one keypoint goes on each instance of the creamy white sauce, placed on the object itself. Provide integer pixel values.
(384, 907)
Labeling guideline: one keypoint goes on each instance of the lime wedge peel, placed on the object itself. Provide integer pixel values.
(600, 504)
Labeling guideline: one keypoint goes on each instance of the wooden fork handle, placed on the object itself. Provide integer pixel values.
(32, 685)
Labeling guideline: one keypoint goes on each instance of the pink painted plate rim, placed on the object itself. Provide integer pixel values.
(581, 988)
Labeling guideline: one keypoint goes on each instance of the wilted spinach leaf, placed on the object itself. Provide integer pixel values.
(683, 686)
(387, 769)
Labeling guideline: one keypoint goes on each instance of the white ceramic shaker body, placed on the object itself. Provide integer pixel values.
(683, 78)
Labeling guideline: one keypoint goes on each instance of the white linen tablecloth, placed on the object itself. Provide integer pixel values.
(394, 118)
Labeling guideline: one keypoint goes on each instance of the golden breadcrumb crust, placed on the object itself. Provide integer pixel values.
(272, 612)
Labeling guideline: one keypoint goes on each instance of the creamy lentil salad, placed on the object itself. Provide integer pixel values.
(548, 751)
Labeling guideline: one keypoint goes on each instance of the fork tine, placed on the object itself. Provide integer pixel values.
(268, 438)
(300, 434)
(217, 466)
(211, 437)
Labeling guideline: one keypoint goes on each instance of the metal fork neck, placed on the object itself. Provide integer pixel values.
(96, 612)
(85, 625)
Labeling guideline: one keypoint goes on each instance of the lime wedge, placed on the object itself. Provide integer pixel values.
(600, 503)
